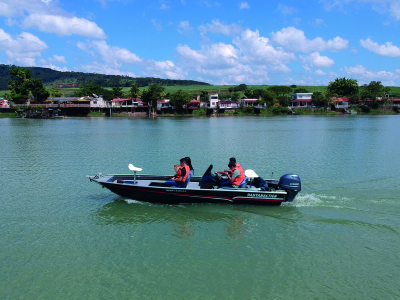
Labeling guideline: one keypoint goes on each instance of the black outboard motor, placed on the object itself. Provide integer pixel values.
(291, 184)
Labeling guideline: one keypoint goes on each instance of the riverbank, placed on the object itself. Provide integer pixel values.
(248, 111)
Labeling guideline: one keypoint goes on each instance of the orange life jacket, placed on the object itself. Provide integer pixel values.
(239, 167)
(178, 174)
(238, 180)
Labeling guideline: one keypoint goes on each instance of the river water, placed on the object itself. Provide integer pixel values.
(63, 237)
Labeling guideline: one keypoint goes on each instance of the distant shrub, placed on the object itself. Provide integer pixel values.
(280, 110)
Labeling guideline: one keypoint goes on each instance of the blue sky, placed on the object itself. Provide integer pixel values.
(219, 42)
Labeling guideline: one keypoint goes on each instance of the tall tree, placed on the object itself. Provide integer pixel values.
(54, 93)
(152, 94)
(117, 92)
(19, 84)
(343, 87)
(179, 99)
(280, 90)
(319, 99)
(134, 90)
(38, 90)
(269, 97)
(373, 90)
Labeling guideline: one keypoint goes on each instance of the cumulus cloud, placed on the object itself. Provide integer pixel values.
(23, 49)
(365, 76)
(293, 39)
(108, 59)
(162, 69)
(258, 50)
(316, 60)
(58, 59)
(387, 49)
(216, 56)
(217, 27)
(64, 26)
(114, 56)
(184, 27)
(244, 5)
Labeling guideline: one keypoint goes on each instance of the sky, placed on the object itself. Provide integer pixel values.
(288, 42)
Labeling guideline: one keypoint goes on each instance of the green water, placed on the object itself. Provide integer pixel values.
(63, 237)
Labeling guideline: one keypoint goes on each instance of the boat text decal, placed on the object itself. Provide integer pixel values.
(262, 195)
(179, 191)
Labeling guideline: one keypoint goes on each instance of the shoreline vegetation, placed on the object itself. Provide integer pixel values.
(178, 98)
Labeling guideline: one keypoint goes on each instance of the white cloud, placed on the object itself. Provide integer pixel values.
(108, 60)
(113, 56)
(217, 56)
(164, 6)
(184, 27)
(387, 49)
(244, 5)
(99, 68)
(217, 27)
(365, 76)
(286, 10)
(316, 60)
(319, 73)
(258, 50)
(58, 59)
(156, 25)
(294, 40)
(381, 6)
(13, 8)
(23, 49)
(64, 26)
(162, 69)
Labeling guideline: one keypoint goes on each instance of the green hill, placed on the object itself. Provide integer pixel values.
(52, 78)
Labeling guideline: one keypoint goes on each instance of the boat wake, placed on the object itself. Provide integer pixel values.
(316, 200)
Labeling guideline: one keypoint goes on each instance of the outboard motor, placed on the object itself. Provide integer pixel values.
(291, 184)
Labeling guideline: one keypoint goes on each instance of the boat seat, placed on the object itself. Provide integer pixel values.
(244, 182)
(188, 179)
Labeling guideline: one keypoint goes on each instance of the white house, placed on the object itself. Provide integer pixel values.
(213, 99)
(227, 104)
(97, 102)
(301, 100)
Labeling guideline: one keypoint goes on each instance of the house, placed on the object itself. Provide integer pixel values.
(301, 100)
(396, 102)
(121, 102)
(213, 101)
(194, 104)
(248, 102)
(228, 104)
(98, 102)
(163, 103)
(341, 102)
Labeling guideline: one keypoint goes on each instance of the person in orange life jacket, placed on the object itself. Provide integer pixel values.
(234, 175)
(238, 166)
(180, 176)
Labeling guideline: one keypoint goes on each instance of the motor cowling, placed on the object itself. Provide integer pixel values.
(291, 184)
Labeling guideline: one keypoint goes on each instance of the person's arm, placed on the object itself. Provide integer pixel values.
(180, 178)
(235, 174)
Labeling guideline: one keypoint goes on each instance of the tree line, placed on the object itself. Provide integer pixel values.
(51, 77)
(21, 85)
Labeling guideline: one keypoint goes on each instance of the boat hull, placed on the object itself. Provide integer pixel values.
(174, 195)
